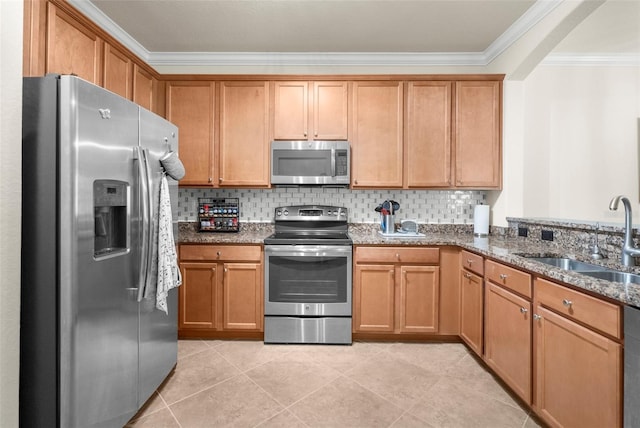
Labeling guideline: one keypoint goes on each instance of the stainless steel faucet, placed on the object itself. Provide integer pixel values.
(629, 251)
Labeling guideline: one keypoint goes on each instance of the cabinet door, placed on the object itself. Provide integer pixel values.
(471, 310)
(418, 306)
(118, 69)
(377, 134)
(242, 296)
(578, 374)
(428, 135)
(291, 110)
(143, 89)
(477, 134)
(198, 299)
(330, 107)
(71, 47)
(244, 134)
(507, 334)
(190, 106)
(373, 298)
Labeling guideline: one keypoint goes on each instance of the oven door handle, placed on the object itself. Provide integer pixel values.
(307, 251)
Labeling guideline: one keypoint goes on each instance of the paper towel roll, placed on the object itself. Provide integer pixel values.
(481, 220)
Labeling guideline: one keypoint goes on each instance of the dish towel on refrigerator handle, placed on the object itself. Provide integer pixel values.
(168, 271)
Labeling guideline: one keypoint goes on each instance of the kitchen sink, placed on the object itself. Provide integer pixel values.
(589, 269)
(567, 264)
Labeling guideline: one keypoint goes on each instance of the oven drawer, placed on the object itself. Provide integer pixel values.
(397, 255)
(220, 252)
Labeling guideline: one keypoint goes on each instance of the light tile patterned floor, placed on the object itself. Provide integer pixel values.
(250, 384)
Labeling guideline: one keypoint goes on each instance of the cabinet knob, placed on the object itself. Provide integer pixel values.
(503, 276)
(355, 182)
(305, 134)
(524, 310)
(218, 254)
(467, 275)
(226, 270)
(469, 262)
(220, 179)
(567, 302)
(210, 179)
(536, 317)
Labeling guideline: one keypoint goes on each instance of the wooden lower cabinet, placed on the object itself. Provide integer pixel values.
(471, 310)
(508, 338)
(396, 290)
(578, 370)
(221, 290)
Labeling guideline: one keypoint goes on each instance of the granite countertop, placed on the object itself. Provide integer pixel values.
(511, 250)
(250, 233)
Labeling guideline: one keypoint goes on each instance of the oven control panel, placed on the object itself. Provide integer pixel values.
(311, 212)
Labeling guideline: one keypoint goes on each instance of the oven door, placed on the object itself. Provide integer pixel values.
(308, 280)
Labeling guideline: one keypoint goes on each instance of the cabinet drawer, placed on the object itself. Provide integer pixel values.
(397, 255)
(589, 310)
(472, 262)
(220, 252)
(511, 278)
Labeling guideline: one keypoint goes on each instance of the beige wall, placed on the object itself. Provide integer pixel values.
(575, 145)
(10, 200)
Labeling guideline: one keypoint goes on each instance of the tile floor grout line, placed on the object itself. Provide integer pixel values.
(204, 389)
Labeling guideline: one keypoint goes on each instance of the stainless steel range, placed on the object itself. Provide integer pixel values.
(308, 266)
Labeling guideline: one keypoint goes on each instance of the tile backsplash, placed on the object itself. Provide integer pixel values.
(424, 206)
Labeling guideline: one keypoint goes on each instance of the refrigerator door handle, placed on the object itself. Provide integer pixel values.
(150, 224)
(141, 156)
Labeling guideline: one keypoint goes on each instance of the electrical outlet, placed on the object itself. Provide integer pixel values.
(547, 235)
(523, 231)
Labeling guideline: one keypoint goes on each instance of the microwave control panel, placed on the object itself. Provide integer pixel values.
(219, 215)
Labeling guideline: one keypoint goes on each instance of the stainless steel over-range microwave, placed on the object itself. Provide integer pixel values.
(310, 163)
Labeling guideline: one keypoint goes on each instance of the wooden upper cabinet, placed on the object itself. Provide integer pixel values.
(330, 110)
(190, 106)
(71, 47)
(477, 134)
(290, 110)
(118, 70)
(310, 110)
(376, 134)
(427, 158)
(244, 134)
(142, 87)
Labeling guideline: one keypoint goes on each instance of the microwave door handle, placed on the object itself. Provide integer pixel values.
(333, 162)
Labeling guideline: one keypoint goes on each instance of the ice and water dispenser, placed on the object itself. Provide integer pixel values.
(110, 217)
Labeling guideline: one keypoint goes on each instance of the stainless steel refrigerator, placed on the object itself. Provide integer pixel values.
(93, 348)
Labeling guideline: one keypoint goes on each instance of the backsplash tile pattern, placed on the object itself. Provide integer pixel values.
(424, 206)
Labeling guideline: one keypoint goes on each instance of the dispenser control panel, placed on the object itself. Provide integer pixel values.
(219, 215)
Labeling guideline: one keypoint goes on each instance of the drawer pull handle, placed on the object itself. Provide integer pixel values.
(536, 317)
(567, 302)
(503, 276)
(524, 310)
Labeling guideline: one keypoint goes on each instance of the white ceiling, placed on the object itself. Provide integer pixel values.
(434, 32)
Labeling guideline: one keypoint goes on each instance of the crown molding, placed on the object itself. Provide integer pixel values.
(604, 59)
(314, 58)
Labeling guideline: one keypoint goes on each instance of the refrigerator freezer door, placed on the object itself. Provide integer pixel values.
(98, 287)
(158, 331)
